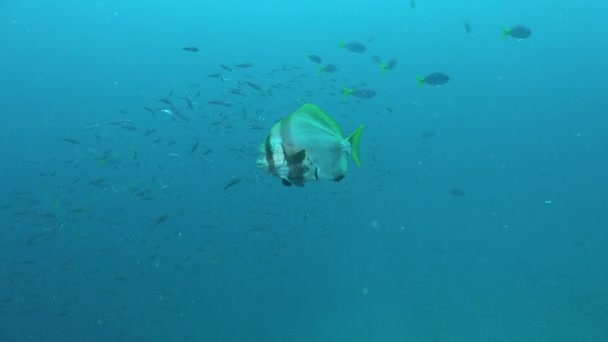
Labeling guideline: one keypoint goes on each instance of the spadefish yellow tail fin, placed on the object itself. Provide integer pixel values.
(354, 139)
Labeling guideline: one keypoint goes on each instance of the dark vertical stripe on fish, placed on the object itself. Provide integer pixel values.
(269, 157)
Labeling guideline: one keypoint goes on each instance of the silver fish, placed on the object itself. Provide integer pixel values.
(308, 145)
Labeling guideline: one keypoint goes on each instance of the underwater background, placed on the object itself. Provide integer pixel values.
(132, 208)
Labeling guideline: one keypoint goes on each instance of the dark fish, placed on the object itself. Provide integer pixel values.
(237, 92)
(98, 182)
(329, 68)
(166, 101)
(47, 216)
(467, 26)
(215, 75)
(253, 85)
(427, 135)
(517, 31)
(355, 47)
(91, 126)
(457, 192)
(144, 195)
(256, 126)
(67, 263)
(435, 78)
(225, 67)
(364, 93)
(148, 132)
(257, 229)
(106, 154)
(161, 219)
(244, 65)
(315, 59)
(360, 93)
(194, 146)
(181, 115)
(220, 103)
(232, 183)
(190, 49)
(150, 110)
(189, 102)
(32, 240)
(413, 4)
(390, 65)
(71, 141)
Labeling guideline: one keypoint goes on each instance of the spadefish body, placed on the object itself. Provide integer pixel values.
(308, 145)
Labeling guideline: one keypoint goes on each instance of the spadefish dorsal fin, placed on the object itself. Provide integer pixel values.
(285, 182)
(321, 117)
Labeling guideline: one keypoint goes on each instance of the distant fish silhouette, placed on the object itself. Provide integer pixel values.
(467, 27)
(244, 65)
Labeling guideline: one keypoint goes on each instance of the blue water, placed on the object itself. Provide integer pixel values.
(479, 212)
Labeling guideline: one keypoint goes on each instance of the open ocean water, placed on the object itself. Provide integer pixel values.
(132, 208)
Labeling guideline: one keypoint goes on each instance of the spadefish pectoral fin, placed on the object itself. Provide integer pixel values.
(297, 181)
(297, 174)
(296, 158)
